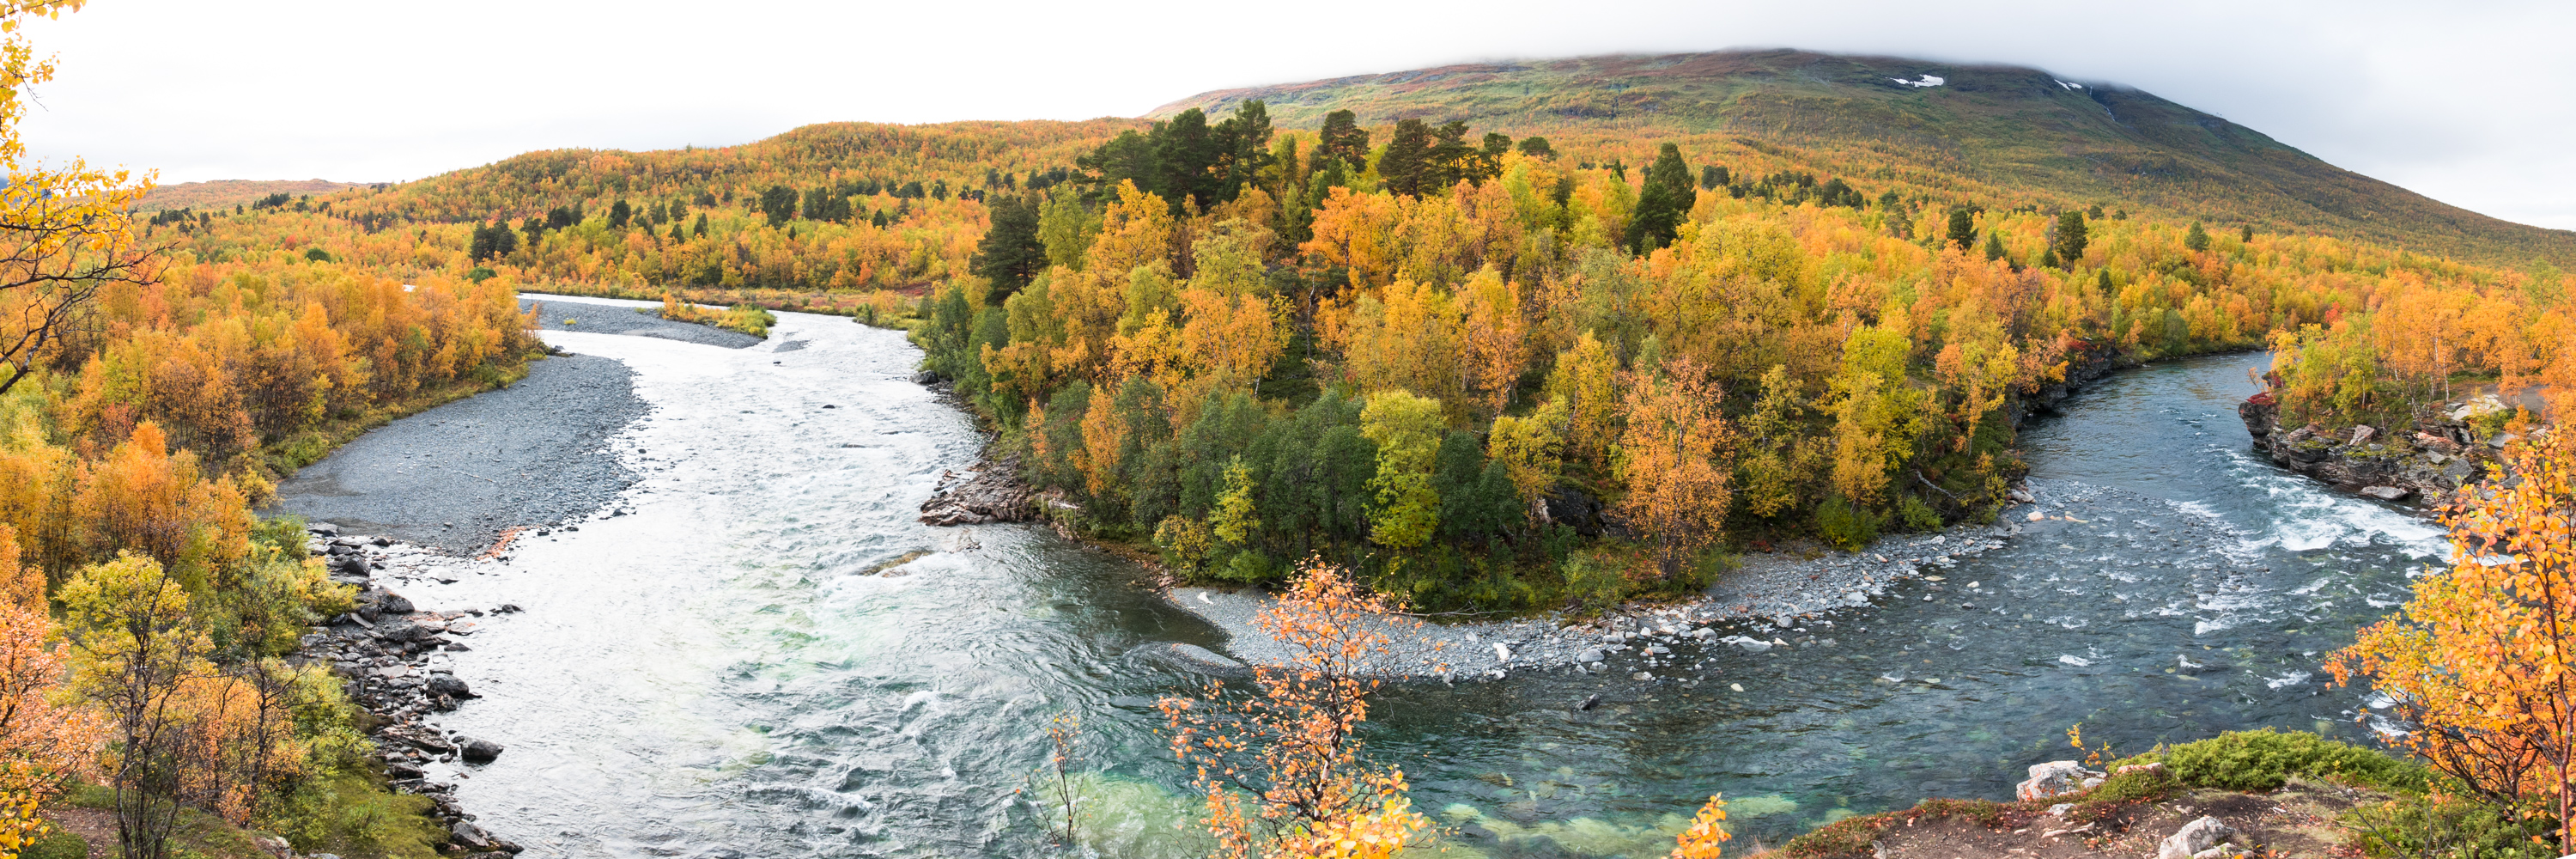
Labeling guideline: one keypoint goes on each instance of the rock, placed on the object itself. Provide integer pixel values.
(1568, 506)
(325, 530)
(2385, 493)
(273, 845)
(2053, 779)
(2022, 496)
(1193, 657)
(2223, 851)
(478, 751)
(1753, 644)
(2361, 433)
(2060, 809)
(400, 770)
(925, 377)
(417, 738)
(1591, 655)
(398, 629)
(2193, 837)
(471, 837)
(448, 685)
(352, 564)
(2157, 767)
(394, 603)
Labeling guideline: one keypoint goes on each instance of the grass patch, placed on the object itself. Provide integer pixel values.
(353, 815)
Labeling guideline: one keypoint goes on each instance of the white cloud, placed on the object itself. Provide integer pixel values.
(2407, 92)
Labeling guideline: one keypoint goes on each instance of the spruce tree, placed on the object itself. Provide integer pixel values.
(619, 214)
(1963, 229)
(2070, 238)
(2197, 239)
(1994, 246)
(1666, 199)
(1011, 253)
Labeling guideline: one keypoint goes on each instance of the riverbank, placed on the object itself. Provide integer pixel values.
(397, 662)
(2443, 447)
(1773, 601)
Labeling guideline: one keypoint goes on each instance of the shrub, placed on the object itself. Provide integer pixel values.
(1844, 525)
(2266, 759)
(1917, 516)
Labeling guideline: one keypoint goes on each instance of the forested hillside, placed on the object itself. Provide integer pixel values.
(1488, 368)
(2000, 135)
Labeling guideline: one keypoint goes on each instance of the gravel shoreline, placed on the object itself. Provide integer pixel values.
(457, 476)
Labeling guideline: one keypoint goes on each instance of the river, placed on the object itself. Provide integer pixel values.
(710, 676)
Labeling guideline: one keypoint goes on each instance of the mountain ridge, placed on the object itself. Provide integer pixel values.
(2010, 128)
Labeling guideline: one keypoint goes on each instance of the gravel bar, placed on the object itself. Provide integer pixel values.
(563, 314)
(456, 476)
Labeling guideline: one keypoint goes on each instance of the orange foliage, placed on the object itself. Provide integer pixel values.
(2479, 661)
(1291, 749)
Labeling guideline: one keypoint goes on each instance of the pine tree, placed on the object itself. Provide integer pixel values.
(1963, 229)
(1714, 175)
(1663, 203)
(1407, 157)
(699, 231)
(2197, 239)
(779, 203)
(1343, 140)
(1010, 254)
(1537, 147)
(619, 214)
(2245, 234)
(1994, 245)
(2070, 238)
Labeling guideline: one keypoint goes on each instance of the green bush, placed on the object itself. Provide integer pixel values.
(2265, 759)
(1844, 525)
(748, 319)
(1917, 516)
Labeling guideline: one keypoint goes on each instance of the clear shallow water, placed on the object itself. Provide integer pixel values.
(709, 677)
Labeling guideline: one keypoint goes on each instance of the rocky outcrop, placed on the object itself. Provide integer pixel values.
(992, 492)
(2426, 461)
(2205, 838)
(2055, 779)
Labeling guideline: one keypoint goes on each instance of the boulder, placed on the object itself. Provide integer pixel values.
(448, 685)
(479, 751)
(925, 377)
(325, 530)
(2385, 493)
(394, 603)
(2195, 837)
(351, 564)
(471, 837)
(1592, 655)
(2055, 778)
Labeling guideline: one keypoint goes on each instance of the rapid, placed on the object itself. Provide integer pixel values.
(724, 670)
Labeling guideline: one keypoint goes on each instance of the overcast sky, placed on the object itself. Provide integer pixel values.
(2464, 102)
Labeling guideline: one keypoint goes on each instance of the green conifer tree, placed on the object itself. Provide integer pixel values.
(1666, 199)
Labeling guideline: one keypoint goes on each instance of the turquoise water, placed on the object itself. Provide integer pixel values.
(711, 676)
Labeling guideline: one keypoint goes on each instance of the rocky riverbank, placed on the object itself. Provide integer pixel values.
(397, 663)
(2443, 447)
